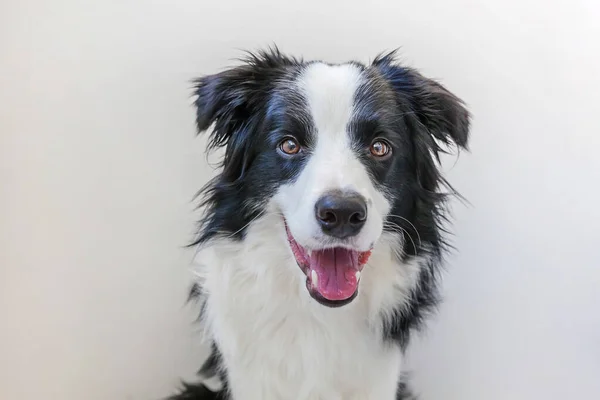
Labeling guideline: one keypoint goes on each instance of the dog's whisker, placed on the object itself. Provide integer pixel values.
(411, 224)
(402, 230)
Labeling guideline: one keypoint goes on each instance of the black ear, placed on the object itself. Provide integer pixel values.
(437, 109)
(232, 99)
(223, 99)
(440, 111)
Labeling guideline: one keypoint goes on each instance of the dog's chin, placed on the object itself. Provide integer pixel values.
(332, 273)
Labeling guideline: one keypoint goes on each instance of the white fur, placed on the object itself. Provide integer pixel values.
(277, 342)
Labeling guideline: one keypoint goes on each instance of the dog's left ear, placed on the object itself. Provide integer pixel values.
(442, 113)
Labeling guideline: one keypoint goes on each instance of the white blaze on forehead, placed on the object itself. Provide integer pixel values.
(330, 91)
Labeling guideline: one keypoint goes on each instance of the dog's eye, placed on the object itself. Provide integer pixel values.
(379, 148)
(289, 146)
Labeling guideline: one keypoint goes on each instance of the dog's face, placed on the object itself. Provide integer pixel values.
(342, 152)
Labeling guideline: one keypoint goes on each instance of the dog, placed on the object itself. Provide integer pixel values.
(324, 232)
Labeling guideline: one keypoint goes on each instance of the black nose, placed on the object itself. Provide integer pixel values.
(341, 215)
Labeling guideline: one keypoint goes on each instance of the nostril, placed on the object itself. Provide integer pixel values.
(357, 218)
(328, 217)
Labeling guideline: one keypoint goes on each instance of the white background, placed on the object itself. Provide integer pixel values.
(99, 165)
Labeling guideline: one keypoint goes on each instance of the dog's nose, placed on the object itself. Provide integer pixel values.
(340, 214)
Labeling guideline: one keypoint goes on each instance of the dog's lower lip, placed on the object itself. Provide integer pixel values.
(329, 303)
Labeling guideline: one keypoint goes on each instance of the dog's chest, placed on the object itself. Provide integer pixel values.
(278, 343)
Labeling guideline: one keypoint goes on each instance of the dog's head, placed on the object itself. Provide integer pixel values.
(344, 152)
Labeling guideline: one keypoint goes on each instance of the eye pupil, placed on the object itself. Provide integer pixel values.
(380, 148)
(289, 146)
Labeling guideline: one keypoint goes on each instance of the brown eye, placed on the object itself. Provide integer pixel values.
(379, 148)
(289, 146)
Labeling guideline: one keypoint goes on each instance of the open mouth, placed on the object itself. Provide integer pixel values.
(333, 274)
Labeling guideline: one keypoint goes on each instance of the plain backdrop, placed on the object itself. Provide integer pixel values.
(99, 165)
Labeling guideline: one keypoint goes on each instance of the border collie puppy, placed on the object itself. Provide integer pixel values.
(322, 238)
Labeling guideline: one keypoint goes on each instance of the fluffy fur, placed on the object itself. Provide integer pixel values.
(271, 339)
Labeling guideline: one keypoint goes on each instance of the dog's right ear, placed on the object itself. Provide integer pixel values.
(231, 99)
(223, 99)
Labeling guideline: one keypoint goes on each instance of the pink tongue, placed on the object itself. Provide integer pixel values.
(336, 272)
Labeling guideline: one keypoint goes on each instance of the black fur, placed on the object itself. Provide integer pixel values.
(199, 392)
(252, 108)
